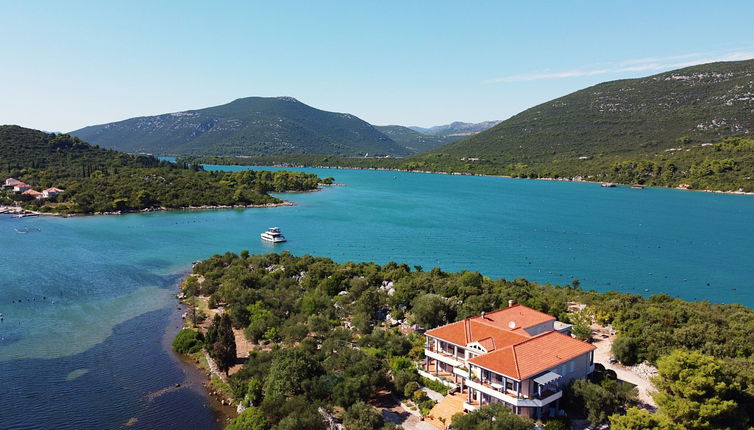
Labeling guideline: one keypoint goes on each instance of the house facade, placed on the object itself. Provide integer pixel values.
(514, 356)
(51, 192)
(21, 187)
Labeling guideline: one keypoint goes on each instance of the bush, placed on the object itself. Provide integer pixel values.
(556, 424)
(625, 350)
(435, 386)
(409, 389)
(188, 342)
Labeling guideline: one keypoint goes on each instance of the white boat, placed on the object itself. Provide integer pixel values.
(273, 235)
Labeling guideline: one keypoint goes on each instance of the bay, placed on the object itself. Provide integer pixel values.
(87, 301)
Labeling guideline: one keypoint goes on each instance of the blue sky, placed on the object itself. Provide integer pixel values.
(65, 65)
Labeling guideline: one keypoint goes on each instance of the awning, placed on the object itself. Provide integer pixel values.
(546, 378)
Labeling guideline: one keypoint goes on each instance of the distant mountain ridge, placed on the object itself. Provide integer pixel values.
(631, 116)
(246, 126)
(456, 129)
(413, 140)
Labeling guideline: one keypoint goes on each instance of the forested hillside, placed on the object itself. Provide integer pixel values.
(103, 180)
(246, 126)
(627, 117)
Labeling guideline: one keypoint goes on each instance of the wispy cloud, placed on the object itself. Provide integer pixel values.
(629, 66)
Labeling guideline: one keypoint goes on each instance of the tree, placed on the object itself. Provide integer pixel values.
(361, 416)
(600, 400)
(224, 346)
(495, 416)
(637, 419)
(293, 372)
(625, 350)
(430, 310)
(694, 391)
(187, 342)
(250, 419)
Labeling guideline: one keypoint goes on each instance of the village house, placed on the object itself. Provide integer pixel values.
(11, 182)
(516, 356)
(21, 187)
(51, 192)
(34, 193)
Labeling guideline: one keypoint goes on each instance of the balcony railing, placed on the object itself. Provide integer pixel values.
(444, 357)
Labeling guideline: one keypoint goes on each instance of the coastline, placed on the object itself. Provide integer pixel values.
(17, 210)
(300, 166)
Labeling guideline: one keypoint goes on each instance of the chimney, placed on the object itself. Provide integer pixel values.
(483, 314)
(510, 303)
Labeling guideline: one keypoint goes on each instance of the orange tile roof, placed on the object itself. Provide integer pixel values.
(471, 330)
(533, 355)
(32, 192)
(516, 318)
(54, 190)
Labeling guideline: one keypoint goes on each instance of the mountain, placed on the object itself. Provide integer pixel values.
(246, 126)
(632, 116)
(413, 140)
(456, 129)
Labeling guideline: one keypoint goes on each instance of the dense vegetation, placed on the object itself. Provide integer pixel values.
(247, 126)
(628, 117)
(102, 180)
(326, 336)
(656, 130)
(727, 165)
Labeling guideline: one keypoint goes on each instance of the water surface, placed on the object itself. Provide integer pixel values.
(86, 301)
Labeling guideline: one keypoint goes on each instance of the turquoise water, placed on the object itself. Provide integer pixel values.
(79, 295)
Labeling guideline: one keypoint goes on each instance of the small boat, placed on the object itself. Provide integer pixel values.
(607, 185)
(273, 235)
(637, 187)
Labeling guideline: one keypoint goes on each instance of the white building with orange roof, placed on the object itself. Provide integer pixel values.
(21, 187)
(11, 182)
(51, 192)
(513, 356)
(34, 193)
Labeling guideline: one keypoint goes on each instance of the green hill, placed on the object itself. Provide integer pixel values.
(103, 180)
(413, 140)
(247, 126)
(627, 117)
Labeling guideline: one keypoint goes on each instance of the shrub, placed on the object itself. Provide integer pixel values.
(625, 350)
(188, 342)
(410, 388)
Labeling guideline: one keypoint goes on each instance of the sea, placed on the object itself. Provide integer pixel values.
(88, 303)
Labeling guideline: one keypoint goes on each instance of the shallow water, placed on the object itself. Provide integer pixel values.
(86, 300)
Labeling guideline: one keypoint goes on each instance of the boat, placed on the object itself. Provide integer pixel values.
(637, 187)
(608, 185)
(273, 235)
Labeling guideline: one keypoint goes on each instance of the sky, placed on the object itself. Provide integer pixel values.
(68, 64)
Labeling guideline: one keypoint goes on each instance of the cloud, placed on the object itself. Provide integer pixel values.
(630, 66)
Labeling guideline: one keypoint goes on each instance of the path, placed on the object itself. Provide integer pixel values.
(603, 340)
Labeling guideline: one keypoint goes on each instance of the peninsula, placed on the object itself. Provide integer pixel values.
(77, 178)
(297, 341)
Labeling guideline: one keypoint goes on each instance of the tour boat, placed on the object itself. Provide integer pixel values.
(273, 235)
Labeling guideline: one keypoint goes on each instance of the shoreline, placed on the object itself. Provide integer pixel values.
(17, 210)
(300, 166)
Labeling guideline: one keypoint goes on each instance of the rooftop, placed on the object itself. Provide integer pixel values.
(533, 355)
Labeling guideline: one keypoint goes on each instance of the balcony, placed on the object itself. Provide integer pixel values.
(512, 398)
(443, 356)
